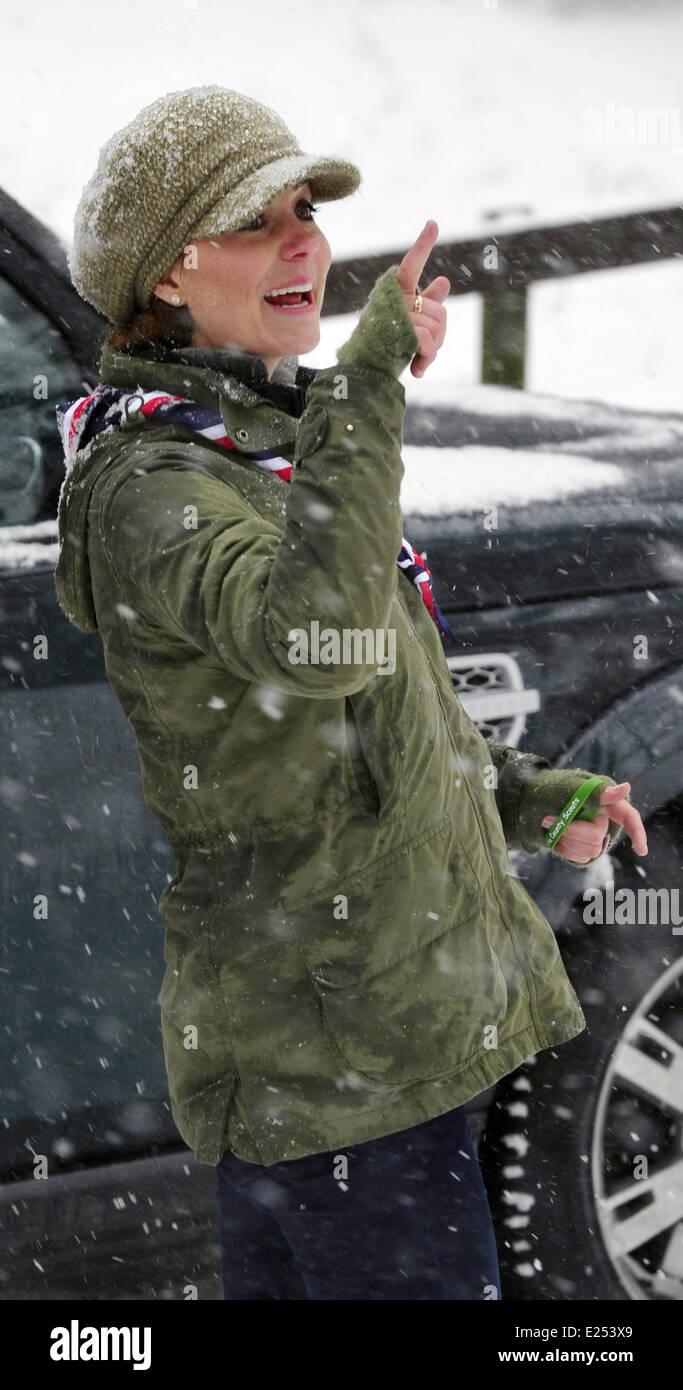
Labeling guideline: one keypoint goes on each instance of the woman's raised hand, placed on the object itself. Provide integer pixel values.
(430, 323)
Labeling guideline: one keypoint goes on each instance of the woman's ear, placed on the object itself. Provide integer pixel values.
(170, 285)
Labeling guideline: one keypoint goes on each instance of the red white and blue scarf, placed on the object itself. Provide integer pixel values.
(80, 421)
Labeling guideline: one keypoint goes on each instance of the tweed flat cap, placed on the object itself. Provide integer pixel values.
(192, 164)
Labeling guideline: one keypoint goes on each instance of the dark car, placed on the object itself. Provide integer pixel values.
(553, 531)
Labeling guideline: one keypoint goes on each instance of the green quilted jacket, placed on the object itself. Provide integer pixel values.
(348, 952)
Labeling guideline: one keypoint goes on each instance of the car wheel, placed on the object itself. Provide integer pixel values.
(582, 1148)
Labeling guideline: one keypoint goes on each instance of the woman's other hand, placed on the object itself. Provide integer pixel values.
(583, 839)
(430, 322)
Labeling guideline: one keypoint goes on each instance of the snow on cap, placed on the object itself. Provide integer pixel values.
(192, 164)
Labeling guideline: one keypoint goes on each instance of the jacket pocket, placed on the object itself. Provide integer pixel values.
(405, 976)
(423, 1018)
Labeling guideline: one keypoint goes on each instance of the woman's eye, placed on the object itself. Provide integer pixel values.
(252, 226)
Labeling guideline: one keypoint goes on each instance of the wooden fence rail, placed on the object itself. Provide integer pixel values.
(502, 266)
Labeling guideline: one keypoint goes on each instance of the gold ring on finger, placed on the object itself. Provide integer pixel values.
(417, 306)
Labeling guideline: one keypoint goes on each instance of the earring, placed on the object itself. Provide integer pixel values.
(175, 299)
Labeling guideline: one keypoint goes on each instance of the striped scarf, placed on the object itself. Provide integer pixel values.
(80, 421)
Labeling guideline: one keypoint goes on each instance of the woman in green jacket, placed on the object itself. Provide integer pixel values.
(349, 957)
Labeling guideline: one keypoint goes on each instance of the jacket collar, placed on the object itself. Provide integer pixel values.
(210, 376)
(247, 366)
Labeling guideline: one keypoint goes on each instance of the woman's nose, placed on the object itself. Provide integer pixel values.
(296, 239)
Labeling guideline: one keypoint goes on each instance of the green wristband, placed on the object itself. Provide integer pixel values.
(572, 809)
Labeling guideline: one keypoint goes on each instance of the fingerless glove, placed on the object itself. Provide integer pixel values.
(384, 337)
(546, 793)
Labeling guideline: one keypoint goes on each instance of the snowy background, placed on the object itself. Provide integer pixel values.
(474, 113)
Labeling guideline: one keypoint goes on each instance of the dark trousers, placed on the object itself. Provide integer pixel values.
(402, 1217)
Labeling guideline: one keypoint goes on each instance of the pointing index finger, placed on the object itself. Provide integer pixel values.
(415, 259)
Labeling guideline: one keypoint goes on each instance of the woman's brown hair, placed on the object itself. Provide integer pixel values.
(159, 326)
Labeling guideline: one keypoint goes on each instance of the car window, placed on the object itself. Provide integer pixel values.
(37, 372)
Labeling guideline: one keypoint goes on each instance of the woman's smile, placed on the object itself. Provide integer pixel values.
(296, 298)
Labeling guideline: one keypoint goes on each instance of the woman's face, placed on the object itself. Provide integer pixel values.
(224, 281)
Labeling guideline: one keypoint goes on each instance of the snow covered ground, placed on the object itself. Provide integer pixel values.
(480, 114)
